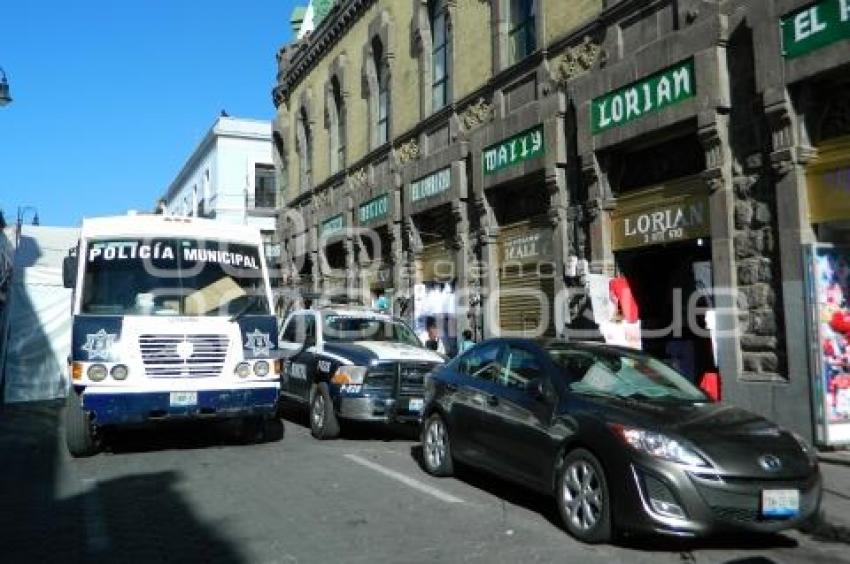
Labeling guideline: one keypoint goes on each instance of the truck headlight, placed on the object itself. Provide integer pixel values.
(261, 368)
(349, 374)
(243, 369)
(119, 372)
(97, 372)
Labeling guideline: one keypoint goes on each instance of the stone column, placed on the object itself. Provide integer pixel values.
(556, 186)
(599, 206)
(489, 241)
(462, 258)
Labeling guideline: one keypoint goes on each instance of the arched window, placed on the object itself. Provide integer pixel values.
(522, 29)
(382, 112)
(305, 149)
(441, 54)
(337, 129)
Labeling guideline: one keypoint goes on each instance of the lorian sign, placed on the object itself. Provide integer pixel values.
(815, 26)
(432, 185)
(521, 147)
(333, 225)
(654, 93)
(374, 210)
(687, 218)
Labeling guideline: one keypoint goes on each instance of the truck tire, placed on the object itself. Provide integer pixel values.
(323, 422)
(80, 436)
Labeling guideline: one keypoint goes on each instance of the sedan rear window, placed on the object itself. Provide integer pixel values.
(623, 374)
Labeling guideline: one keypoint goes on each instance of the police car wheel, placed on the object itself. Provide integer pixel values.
(80, 435)
(323, 422)
(436, 448)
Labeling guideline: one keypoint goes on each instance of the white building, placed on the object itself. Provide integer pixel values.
(230, 176)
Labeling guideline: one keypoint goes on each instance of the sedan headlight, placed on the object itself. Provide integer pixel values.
(97, 372)
(807, 449)
(658, 445)
(349, 374)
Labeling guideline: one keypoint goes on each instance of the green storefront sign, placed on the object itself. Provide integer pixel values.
(333, 225)
(521, 147)
(374, 209)
(432, 185)
(654, 93)
(816, 26)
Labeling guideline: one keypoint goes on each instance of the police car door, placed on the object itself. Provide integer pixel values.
(297, 343)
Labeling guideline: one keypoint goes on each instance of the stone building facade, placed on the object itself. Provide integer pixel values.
(495, 154)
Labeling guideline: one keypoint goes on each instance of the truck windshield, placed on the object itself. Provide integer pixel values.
(341, 329)
(172, 277)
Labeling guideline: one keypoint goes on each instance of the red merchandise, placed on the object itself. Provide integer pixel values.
(840, 321)
(621, 295)
(710, 384)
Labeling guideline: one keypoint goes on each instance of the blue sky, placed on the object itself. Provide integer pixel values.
(111, 96)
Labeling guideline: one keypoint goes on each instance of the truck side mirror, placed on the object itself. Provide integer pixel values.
(69, 271)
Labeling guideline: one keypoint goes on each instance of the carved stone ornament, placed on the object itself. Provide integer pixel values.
(477, 114)
(407, 152)
(577, 60)
(359, 178)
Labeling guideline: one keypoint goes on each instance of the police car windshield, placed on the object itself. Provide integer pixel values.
(172, 277)
(346, 329)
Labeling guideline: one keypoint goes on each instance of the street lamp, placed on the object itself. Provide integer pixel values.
(22, 210)
(5, 98)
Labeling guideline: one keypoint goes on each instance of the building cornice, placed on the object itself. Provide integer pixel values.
(297, 59)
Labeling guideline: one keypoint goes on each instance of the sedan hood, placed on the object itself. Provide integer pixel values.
(736, 442)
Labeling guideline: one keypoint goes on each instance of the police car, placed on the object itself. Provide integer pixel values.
(353, 364)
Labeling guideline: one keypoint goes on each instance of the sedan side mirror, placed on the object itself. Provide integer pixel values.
(69, 271)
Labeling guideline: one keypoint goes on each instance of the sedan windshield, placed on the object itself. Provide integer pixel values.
(623, 374)
(341, 329)
(173, 277)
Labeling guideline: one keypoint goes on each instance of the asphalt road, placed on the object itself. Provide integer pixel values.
(191, 494)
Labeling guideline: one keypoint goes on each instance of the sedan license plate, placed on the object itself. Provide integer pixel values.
(415, 404)
(183, 399)
(780, 503)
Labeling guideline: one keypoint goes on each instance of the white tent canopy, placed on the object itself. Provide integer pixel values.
(34, 356)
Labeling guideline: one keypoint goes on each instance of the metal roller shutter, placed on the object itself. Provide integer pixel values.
(525, 289)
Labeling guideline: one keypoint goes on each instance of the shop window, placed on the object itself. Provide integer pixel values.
(522, 30)
(441, 54)
(265, 189)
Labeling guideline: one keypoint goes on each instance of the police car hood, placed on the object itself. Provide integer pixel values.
(363, 351)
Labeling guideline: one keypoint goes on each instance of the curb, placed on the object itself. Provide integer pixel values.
(840, 459)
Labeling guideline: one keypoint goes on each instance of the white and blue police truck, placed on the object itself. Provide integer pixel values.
(172, 319)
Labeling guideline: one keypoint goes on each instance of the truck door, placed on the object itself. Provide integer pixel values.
(297, 344)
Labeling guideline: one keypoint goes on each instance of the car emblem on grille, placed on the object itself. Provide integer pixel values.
(770, 463)
(184, 350)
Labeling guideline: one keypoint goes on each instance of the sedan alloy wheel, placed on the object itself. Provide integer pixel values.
(436, 449)
(583, 497)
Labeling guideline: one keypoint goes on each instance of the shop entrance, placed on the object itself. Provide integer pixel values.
(670, 285)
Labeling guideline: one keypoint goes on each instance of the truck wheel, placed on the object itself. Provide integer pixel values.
(323, 421)
(80, 436)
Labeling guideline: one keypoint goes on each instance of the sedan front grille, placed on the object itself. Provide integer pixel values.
(182, 356)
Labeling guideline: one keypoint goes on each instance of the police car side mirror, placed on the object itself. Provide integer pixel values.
(69, 271)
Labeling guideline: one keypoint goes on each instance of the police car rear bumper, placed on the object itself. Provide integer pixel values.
(378, 410)
(121, 408)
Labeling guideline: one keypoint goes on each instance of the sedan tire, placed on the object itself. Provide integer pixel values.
(323, 422)
(436, 447)
(583, 498)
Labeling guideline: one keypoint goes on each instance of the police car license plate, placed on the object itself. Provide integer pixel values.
(780, 503)
(415, 404)
(183, 399)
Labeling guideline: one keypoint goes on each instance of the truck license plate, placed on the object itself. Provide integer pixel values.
(183, 399)
(416, 404)
(780, 503)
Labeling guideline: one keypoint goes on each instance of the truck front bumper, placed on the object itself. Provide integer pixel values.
(127, 408)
